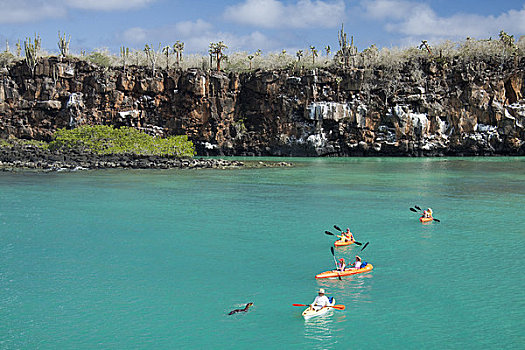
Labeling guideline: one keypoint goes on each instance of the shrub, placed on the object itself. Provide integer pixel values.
(103, 139)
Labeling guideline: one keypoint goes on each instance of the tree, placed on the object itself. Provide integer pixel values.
(217, 50)
(299, 54)
(166, 52)
(327, 50)
(178, 47)
(250, 58)
(424, 44)
(314, 54)
(63, 44)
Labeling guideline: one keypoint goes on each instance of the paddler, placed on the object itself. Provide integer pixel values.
(320, 301)
(347, 236)
(341, 265)
(427, 213)
(357, 264)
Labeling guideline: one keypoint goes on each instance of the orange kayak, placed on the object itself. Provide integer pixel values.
(340, 243)
(336, 274)
(422, 219)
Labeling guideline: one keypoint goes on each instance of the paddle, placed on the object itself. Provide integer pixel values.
(338, 229)
(335, 261)
(415, 211)
(364, 246)
(337, 307)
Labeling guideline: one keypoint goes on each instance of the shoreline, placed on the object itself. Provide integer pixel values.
(33, 158)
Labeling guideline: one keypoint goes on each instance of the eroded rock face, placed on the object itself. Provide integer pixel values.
(466, 109)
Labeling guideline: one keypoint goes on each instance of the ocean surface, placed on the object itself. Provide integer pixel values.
(156, 259)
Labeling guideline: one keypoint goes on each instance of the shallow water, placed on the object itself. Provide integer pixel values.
(156, 259)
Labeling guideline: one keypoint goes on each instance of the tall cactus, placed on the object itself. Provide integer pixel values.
(178, 47)
(314, 54)
(217, 49)
(152, 57)
(124, 55)
(63, 44)
(32, 49)
(346, 51)
(166, 51)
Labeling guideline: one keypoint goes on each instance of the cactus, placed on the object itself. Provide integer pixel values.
(32, 49)
(424, 45)
(152, 57)
(299, 54)
(508, 42)
(250, 58)
(18, 48)
(327, 49)
(314, 54)
(166, 52)
(178, 47)
(124, 55)
(347, 52)
(6, 45)
(217, 50)
(63, 44)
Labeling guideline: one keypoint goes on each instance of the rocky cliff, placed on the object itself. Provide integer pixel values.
(421, 108)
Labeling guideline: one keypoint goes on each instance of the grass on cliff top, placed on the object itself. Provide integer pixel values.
(103, 139)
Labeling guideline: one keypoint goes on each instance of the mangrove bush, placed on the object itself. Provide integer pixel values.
(103, 139)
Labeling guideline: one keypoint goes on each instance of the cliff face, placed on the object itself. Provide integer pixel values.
(423, 109)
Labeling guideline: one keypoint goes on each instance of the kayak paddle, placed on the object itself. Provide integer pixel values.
(337, 307)
(364, 246)
(418, 208)
(335, 261)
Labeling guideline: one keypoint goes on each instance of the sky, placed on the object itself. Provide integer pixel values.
(248, 25)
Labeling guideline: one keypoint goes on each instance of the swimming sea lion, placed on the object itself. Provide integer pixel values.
(241, 310)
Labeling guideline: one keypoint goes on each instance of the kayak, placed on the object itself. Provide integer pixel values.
(340, 243)
(309, 313)
(336, 274)
(422, 219)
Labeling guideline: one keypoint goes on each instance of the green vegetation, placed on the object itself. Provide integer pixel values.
(99, 58)
(103, 139)
(21, 142)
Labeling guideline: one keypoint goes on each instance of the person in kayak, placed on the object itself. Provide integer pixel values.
(347, 236)
(427, 213)
(320, 301)
(341, 265)
(357, 264)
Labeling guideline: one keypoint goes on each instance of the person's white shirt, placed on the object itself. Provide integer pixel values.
(320, 302)
(357, 264)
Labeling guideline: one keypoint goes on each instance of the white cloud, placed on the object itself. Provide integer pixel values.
(275, 14)
(135, 35)
(197, 36)
(107, 5)
(29, 11)
(24, 11)
(416, 20)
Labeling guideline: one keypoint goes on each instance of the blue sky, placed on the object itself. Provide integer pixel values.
(248, 25)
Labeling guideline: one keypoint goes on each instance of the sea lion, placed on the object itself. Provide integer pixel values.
(241, 310)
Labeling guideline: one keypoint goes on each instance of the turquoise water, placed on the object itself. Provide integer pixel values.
(156, 259)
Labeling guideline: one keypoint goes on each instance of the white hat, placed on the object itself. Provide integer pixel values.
(321, 291)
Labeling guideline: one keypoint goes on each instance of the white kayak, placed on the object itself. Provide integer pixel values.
(309, 312)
